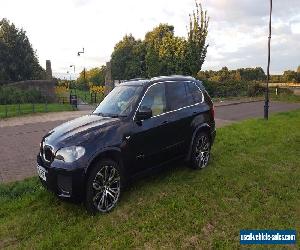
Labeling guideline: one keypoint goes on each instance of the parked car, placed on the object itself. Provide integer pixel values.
(140, 125)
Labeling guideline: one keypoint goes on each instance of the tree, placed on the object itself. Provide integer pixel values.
(237, 76)
(289, 76)
(18, 60)
(172, 55)
(153, 41)
(94, 75)
(196, 42)
(223, 75)
(298, 74)
(128, 58)
(161, 52)
(252, 74)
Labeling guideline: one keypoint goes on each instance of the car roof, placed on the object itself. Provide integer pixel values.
(146, 82)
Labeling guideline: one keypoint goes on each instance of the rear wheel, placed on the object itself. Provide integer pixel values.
(201, 151)
(103, 187)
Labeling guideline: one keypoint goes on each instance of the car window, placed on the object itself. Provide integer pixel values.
(120, 101)
(177, 97)
(193, 92)
(155, 99)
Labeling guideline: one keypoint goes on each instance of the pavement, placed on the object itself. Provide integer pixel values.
(20, 136)
(227, 114)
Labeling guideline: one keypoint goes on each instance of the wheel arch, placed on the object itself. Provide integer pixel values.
(201, 128)
(108, 153)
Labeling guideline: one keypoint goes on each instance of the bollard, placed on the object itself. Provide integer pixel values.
(46, 106)
(19, 108)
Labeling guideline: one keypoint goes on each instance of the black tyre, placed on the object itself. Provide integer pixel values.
(103, 187)
(200, 151)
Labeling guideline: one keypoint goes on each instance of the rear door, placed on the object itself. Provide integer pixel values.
(183, 99)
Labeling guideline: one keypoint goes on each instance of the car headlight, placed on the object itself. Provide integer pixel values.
(70, 154)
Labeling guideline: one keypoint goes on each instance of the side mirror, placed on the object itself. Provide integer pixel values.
(143, 113)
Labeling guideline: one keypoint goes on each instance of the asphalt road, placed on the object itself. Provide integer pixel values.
(19, 141)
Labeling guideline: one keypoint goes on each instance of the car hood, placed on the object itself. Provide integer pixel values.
(76, 131)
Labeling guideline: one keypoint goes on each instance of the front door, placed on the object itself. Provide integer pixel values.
(150, 137)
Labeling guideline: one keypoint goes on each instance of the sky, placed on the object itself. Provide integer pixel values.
(238, 30)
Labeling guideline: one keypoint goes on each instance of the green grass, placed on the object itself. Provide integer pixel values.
(13, 109)
(283, 97)
(252, 182)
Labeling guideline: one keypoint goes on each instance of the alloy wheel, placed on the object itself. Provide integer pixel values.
(106, 188)
(202, 151)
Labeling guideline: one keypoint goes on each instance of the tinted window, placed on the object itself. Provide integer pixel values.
(194, 94)
(120, 101)
(155, 99)
(177, 98)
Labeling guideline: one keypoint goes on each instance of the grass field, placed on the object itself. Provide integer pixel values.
(252, 182)
(285, 98)
(15, 110)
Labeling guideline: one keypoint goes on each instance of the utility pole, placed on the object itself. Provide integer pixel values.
(266, 107)
(78, 54)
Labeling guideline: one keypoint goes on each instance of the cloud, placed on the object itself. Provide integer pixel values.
(239, 29)
(237, 37)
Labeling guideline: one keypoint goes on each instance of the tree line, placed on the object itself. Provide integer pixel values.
(161, 52)
(287, 76)
(242, 74)
(18, 60)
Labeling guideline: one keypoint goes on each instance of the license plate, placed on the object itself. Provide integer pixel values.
(41, 172)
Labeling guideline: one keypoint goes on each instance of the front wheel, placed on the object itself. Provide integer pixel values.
(103, 187)
(200, 151)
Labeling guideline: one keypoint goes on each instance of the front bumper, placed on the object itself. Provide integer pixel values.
(64, 183)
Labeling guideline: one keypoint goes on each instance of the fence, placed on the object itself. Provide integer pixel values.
(21, 106)
(87, 97)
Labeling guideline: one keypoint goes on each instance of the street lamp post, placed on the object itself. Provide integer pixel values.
(73, 67)
(68, 84)
(266, 107)
(78, 54)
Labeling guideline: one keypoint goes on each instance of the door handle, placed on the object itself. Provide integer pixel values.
(127, 137)
(140, 156)
(164, 122)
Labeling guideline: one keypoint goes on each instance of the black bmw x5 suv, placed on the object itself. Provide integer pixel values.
(140, 125)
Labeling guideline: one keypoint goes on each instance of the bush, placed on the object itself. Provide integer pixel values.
(13, 95)
(255, 89)
(232, 88)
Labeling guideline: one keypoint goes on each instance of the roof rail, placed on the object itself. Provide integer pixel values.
(136, 79)
(172, 76)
